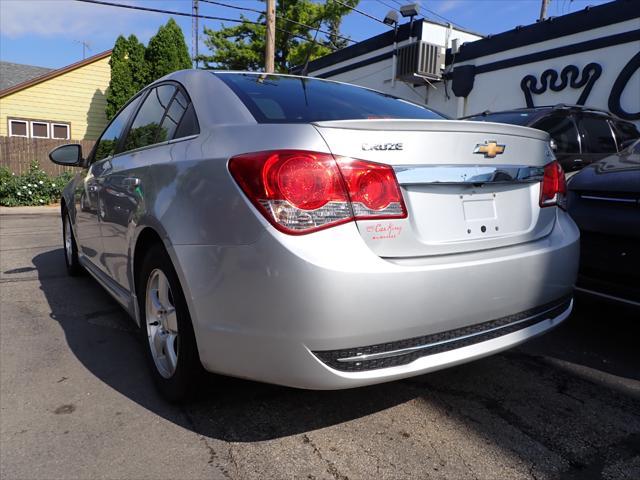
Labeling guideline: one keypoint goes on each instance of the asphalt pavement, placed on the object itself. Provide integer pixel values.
(76, 401)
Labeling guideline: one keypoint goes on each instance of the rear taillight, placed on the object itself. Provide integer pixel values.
(554, 186)
(301, 192)
(373, 189)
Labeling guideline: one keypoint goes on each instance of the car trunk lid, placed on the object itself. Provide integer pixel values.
(467, 185)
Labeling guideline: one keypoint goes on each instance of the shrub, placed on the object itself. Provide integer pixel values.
(34, 187)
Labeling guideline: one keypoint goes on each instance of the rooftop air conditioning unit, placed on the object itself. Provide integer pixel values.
(420, 59)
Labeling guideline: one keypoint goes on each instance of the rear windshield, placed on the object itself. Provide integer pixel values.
(280, 99)
(513, 118)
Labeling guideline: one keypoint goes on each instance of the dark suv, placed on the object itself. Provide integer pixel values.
(582, 135)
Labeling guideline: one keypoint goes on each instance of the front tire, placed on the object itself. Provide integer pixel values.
(166, 329)
(70, 247)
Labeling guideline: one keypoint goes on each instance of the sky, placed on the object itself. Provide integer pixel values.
(50, 33)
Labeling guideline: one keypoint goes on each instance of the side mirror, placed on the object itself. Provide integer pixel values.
(68, 155)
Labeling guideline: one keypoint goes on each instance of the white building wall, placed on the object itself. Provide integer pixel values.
(500, 89)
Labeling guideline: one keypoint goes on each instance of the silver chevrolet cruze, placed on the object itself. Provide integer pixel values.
(316, 234)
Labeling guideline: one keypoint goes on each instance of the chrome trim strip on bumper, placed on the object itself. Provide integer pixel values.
(609, 199)
(404, 351)
(467, 174)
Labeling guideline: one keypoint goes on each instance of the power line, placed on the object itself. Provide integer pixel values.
(222, 4)
(205, 17)
(388, 6)
(361, 12)
(159, 10)
(397, 2)
(281, 17)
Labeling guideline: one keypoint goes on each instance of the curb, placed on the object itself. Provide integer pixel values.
(46, 210)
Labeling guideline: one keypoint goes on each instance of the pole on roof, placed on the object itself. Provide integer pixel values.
(194, 32)
(543, 9)
(270, 40)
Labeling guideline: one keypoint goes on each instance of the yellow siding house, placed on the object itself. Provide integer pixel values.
(67, 103)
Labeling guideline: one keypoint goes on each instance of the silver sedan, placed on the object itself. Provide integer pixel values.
(316, 234)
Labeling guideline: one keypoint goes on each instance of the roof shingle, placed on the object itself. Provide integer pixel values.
(15, 73)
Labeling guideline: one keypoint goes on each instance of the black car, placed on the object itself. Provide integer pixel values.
(604, 200)
(581, 135)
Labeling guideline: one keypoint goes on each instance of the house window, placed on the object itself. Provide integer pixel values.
(18, 128)
(60, 131)
(39, 130)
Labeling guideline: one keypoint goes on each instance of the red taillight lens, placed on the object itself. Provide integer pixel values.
(554, 186)
(373, 189)
(301, 192)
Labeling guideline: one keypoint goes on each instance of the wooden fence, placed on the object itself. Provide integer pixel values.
(17, 153)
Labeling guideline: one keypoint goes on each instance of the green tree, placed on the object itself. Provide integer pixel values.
(241, 47)
(167, 51)
(129, 72)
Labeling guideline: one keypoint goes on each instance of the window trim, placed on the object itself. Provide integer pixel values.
(31, 122)
(145, 93)
(554, 116)
(17, 120)
(58, 124)
(587, 137)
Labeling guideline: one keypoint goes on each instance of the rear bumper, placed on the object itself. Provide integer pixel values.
(261, 310)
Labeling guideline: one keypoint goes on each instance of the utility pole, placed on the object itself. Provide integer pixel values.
(270, 40)
(543, 9)
(194, 32)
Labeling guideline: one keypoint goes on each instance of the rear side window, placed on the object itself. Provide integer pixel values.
(280, 99)
(563, 130)
(188, 124)
(626, 134)
(598, 136)
(148, 127)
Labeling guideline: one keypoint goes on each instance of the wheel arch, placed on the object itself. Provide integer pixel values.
(147, 235)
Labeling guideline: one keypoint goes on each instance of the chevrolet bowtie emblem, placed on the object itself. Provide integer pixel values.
(489, 148)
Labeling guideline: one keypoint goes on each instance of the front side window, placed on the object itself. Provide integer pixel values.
(283, 99)
(148, 127)
(110, 139)
(598, 136)
(563, 130)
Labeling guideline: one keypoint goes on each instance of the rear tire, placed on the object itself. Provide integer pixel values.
(166, 330)
(70, 247)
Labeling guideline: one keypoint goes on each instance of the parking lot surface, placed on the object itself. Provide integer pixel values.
(76, 400)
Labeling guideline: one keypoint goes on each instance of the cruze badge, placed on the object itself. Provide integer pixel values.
(489, 148)
(382, 146)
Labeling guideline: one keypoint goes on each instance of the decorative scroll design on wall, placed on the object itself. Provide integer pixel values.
(618, 87)
(570, 76)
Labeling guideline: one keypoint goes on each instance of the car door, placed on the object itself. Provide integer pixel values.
(87, 226)
(564, 133)
(596, 137)
(130, 179)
